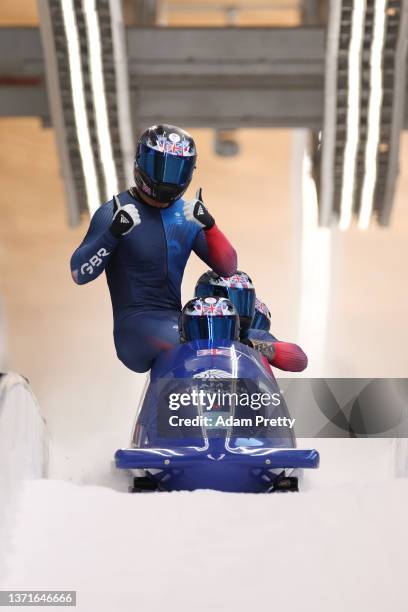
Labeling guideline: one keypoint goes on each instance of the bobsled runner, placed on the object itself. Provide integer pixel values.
(212, 417)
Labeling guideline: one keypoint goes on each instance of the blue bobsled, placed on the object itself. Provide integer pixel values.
(212, 417)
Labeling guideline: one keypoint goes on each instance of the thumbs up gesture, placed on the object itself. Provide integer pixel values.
(125, 218)
(197, 212)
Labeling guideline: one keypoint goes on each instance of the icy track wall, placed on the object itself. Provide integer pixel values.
(23, 438)
(23, 435)
(23, 445)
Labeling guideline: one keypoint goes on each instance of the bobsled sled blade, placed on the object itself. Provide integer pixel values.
(143, 484)
(286, 483)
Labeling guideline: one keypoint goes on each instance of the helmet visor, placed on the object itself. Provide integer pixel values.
(206, 289)
(165, 167)
(260, 321)
(243, 300)
(210, 328)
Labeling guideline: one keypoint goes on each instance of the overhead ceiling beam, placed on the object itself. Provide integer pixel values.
(236, 77)
(212, 77)
(21, 58)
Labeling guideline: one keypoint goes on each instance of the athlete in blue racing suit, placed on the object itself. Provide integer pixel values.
(143, 244)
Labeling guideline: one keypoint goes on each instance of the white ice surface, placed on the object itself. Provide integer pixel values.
(340, 545)
(332, 549)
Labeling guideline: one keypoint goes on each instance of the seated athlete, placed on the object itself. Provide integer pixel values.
(254, 319)
(142, 239)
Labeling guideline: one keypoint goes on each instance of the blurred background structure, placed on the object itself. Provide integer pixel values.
(298, 109)
(100, 71)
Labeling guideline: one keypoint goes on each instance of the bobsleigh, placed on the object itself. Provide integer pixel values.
(194, 431)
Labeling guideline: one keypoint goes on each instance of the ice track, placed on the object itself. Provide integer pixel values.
(340, 545)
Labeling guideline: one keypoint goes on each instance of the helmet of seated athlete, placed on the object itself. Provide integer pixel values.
(209, 318)
(262, 316)
(164, 162)
(237, 288)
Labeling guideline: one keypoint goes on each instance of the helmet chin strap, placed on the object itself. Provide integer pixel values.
(138, 193)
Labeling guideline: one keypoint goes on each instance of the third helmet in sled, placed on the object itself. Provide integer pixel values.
(237, 288)
(262, 316)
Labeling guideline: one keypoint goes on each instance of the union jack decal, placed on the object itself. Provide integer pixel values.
(262, 307)
(237, 281)
(213, 307)
(163, 145)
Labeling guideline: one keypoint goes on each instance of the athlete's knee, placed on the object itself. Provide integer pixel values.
(134, 363)
(139, 340)
(138, 367)
(132, 358)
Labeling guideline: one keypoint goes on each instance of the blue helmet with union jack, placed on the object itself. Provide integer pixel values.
(209, 318)
(164, 162)
(237, 288)
(262, 316)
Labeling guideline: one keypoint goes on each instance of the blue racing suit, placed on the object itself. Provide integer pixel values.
(144, 270)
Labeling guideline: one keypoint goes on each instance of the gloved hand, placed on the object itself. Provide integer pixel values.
(125, 218)
(197, 212)
(266, 349)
